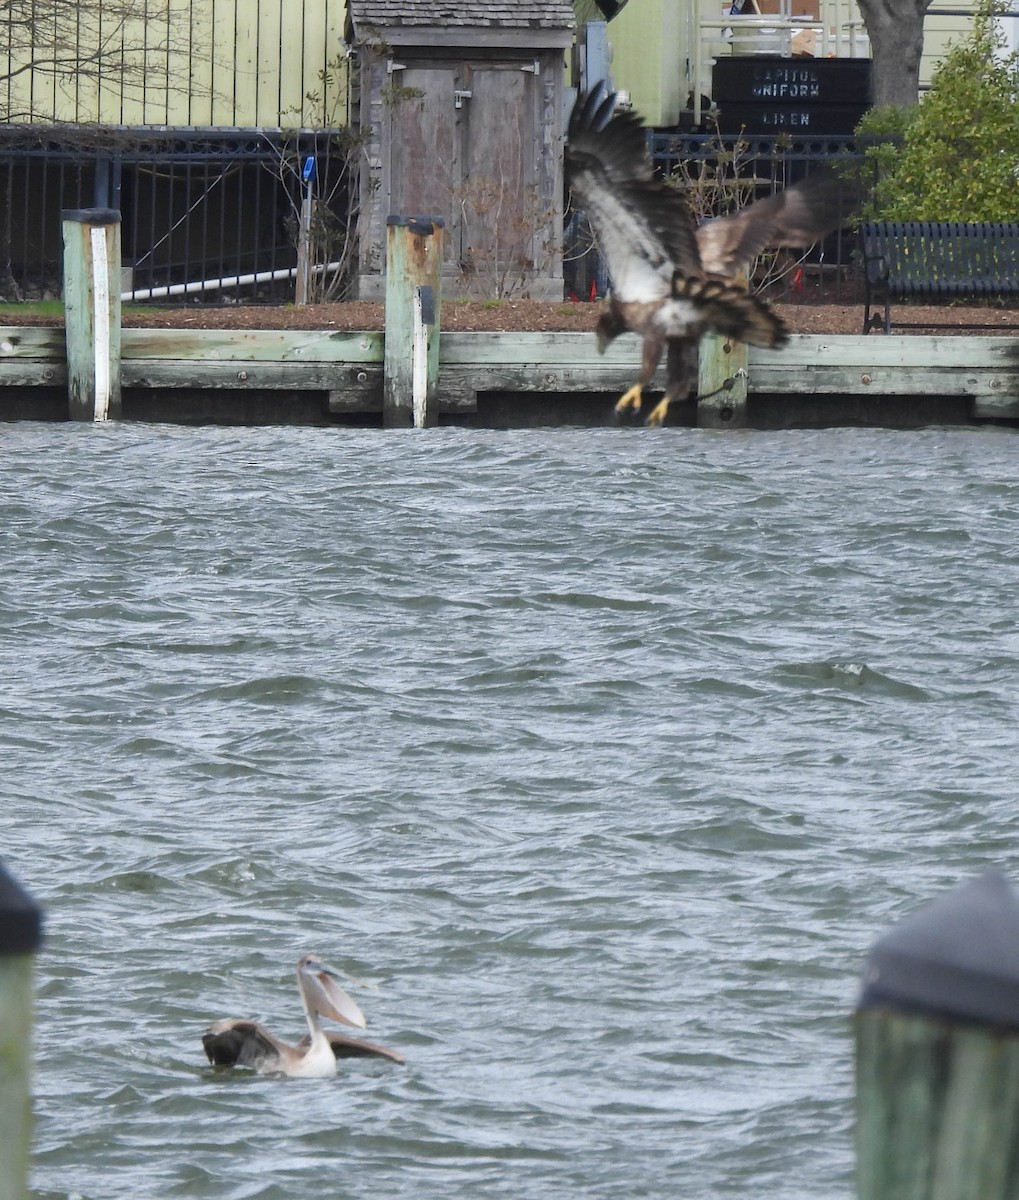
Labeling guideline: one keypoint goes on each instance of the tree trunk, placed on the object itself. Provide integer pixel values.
(895, 28)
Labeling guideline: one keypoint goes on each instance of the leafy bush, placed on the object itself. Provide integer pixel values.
(955, 156)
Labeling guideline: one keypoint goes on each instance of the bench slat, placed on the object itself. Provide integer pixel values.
(932, 259)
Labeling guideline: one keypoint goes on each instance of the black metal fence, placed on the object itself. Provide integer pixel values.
(203, 211)
(212, 216)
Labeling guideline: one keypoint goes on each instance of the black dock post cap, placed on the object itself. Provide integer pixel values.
(418, 224)
(957, 957)
(91, 216)
(20, 917)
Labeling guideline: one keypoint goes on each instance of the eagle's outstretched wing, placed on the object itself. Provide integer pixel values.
(798, 216)
(643, 228)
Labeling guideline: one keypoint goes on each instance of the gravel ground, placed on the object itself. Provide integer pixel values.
(803, 316)
(807, 313)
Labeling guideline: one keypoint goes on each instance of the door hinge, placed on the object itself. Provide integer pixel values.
(533, 69)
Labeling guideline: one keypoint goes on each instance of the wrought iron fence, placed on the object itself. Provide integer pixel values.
(208, 215)
(212, 216)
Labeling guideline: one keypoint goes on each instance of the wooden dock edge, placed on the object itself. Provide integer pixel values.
(414, 374)
(348, 366)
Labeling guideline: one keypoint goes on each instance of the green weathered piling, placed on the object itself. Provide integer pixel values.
(721, 383)
(92, 312)
(20, 934)
(937, 1052)
(413, 272)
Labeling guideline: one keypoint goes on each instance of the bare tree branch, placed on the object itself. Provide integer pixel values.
(124, 45)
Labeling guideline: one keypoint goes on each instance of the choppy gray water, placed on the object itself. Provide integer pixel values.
(604, 755)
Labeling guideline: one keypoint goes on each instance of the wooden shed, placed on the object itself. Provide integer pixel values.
(460, 105)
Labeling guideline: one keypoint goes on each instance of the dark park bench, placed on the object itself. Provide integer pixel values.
(933, 260)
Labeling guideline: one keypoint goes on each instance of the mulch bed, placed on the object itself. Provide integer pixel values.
(807, 314)
(814, 310)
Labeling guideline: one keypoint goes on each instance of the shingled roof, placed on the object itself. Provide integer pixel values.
(494, 14)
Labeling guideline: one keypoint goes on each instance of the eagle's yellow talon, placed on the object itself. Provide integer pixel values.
(658, 414)
(629, 399)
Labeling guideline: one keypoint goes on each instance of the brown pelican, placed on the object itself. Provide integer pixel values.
(238, 1043)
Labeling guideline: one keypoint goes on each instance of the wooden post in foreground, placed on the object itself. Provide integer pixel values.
(411, 356)
(937, 1051)
(721, 383)
(92, 312)
(20, 935)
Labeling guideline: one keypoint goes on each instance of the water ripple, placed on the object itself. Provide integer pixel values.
(601, 759)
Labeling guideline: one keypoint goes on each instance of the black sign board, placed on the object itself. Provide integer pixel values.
(840, 119)
(767, 79)
(763, 93)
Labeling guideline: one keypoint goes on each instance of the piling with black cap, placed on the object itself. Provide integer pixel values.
(20, 936)
(937, 1051)
(92, 265)
(413, 294)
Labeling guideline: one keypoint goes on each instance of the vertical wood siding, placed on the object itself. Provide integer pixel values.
(241, 63)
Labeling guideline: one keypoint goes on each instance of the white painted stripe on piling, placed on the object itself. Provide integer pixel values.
(101, 320)
(419, 351)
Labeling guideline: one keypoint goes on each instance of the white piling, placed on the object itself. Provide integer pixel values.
(413, 277)
(92, 312)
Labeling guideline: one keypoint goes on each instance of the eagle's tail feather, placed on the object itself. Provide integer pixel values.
(730, 310)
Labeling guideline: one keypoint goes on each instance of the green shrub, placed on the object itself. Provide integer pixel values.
(955, 156)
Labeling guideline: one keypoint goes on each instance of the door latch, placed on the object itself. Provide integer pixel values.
(459, 96)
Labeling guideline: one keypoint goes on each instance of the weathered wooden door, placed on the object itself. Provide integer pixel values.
(499, 213)
(427, 147)
(464, 147)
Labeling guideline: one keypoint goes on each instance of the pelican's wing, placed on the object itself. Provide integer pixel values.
(643, 228)
(796, 217)
(235, 1043)
(349, 1047)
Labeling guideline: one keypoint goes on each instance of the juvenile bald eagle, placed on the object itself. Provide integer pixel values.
(672, 280)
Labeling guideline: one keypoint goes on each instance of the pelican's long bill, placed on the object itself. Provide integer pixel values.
(319, 983)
